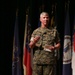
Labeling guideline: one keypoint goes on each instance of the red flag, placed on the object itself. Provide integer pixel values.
(73, 36)
(73, 49)
(27, 50)
(74, 41)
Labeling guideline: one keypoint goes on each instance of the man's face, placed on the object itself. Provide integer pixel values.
(44, 19)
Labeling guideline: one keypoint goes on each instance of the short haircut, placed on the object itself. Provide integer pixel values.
(44, 13)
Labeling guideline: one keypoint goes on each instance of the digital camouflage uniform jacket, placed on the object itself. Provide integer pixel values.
(47, 37)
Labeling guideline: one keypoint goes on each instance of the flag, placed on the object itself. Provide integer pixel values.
(73, 49)
(52, 16)
(52, 19)
(67, 47)
(16, 60)
(27, 51)
(56, 17)
(54, 23)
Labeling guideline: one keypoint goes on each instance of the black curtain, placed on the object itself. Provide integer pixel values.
(8, 15)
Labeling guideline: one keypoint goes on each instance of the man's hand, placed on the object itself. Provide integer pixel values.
(50, 47)
(34, 41)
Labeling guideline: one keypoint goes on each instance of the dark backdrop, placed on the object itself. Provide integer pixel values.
(8, 15)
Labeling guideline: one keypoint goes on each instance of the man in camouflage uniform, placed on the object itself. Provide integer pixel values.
(42, 41)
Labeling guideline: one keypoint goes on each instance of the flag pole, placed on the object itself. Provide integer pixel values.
(14, 38)
(24, 68)
(52, 18)
(55, 16)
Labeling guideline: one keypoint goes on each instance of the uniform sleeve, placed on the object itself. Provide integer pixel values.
(57, 38)
(33, 35)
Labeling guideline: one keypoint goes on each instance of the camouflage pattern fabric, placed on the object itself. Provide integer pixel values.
(42, 57)
(43, 70)
(47, 37)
